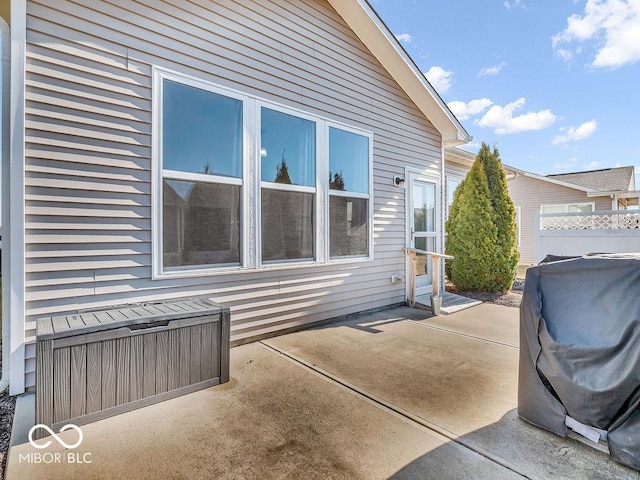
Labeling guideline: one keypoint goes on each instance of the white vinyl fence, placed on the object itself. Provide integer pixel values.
(590, 232)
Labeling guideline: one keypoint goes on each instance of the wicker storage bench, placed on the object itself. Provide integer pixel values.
(97, 364)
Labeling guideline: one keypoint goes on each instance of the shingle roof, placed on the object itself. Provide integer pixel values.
(605, 180)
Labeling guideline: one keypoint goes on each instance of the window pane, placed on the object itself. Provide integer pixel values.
(553, 209)
(287, 225)
(348, 161)
(452, 185)
(288, 149)
(348, 226)
(424, 211)
(579, 208)
(423, 263)
(201, 131)
(200, 223)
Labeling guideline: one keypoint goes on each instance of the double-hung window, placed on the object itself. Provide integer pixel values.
(244, 183)
(349, 185)
(202, 145)
(288, 186)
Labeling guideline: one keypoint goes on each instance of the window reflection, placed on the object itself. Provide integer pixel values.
(288, 149)
(348, 161)
(201, 223)
(201, 131)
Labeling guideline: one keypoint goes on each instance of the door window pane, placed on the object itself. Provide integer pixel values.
(287, 225)
(348, 226)
(200, 223)
(423, 263)
(201, 131)
(348, 161)
(287, 149)
(424, 203)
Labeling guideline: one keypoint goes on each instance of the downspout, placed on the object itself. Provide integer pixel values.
(443, 209)
(6, 80)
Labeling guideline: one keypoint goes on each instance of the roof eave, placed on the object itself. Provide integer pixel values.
(373, 32)
(524, 173)
(459, 156)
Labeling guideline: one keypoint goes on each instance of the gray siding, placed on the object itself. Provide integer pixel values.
(88, 140)
(529, 193)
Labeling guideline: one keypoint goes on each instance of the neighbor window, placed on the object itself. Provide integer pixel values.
(567, 208)
(348, 193)
(201, 176)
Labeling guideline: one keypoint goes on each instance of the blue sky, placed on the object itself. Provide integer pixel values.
(554, 84)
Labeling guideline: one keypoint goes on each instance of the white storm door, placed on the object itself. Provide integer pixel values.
(423, 233)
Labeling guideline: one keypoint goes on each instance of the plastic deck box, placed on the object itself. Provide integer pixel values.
(97, 364)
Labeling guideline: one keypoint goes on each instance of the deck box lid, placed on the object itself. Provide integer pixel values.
(138, 315)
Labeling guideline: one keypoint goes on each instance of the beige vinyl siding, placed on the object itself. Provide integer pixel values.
(529, 194)
(88, 147)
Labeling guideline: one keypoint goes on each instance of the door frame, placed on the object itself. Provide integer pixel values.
(431, 176)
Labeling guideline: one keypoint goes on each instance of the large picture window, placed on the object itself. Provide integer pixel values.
(244, 183)
(349, 179)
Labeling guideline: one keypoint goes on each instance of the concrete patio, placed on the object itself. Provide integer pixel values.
(396, 394)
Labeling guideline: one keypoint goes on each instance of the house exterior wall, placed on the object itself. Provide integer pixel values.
(529, 194)
(453, 172)
(89, 146)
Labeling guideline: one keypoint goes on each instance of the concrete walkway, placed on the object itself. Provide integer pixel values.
(390, 395)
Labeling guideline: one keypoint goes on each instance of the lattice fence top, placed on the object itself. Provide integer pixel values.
(620, 220)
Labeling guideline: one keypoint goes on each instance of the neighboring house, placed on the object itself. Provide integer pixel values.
(243, 151)
(596, 190)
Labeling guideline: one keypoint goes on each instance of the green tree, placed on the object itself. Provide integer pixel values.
(336, 182)
(282, 173)
(504, 218)
(481, 229)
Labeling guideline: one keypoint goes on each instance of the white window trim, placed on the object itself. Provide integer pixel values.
(260, 104)
(347, 193)
(251, 182)
(565, 206)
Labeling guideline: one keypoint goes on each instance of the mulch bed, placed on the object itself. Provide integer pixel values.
(512, 298)
(7, 408)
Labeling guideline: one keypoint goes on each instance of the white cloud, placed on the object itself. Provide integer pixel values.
(570, 165)
(490, 71)
(404, 38)
(439, 78)
(513, 4)
(576, 133)
(615, 27)
(464, 110)
(593, 166)
(501, 119)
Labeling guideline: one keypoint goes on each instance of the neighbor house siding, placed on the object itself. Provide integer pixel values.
(529, 194)
(88, 140)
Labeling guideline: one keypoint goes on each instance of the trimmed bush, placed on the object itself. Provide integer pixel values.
(481, 228)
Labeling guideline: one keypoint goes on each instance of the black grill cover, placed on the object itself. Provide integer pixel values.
(580, 349)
